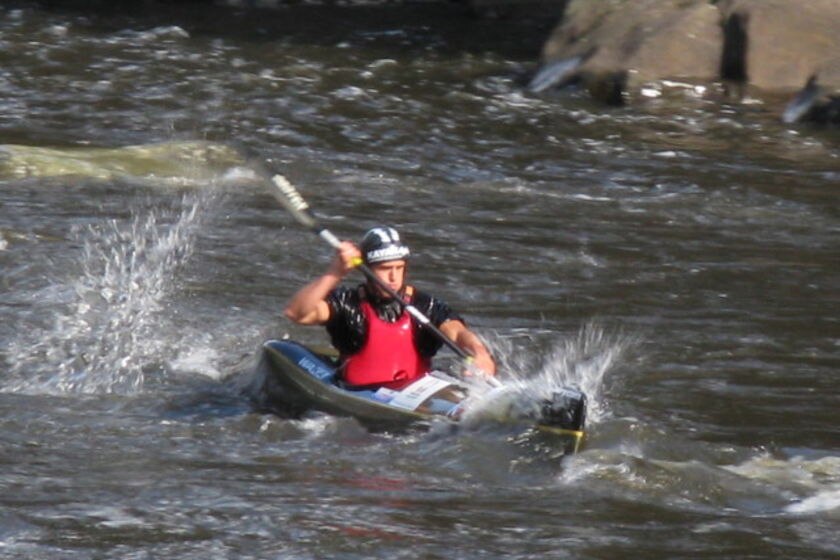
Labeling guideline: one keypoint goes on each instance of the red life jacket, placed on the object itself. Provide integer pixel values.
(389, 356)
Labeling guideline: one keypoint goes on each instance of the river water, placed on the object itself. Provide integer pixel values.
(678, 260)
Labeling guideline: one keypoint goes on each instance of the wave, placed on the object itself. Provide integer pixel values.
(192, 163)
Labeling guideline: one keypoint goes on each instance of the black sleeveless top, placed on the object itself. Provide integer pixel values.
(348, 329)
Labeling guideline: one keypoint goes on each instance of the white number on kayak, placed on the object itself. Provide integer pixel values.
(413, 396)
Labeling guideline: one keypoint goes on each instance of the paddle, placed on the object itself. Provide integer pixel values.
(292, 200)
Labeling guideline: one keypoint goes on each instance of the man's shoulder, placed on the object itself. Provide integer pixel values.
(423, 295)
(433, 307)
(421, 298)
(342, 296)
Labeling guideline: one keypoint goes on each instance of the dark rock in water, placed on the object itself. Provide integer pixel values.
(827, 112)
(804, 101)
(733, 61)
(558, 73)
(811, 105)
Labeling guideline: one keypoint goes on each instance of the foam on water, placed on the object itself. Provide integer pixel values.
(202, 360)
(828, 500)
(108, 322)
(814, 482)
(184, 163)
(799, 487)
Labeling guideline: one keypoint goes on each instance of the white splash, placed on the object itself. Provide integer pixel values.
(530, 379)
(109, 328)
(202, 360)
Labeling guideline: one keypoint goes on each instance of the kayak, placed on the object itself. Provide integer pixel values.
(294, 379)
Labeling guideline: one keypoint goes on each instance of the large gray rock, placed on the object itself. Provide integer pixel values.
(627, 43)
(787, 41)
(616, 46)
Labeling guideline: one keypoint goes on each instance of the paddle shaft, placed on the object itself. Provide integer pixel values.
(299, 208)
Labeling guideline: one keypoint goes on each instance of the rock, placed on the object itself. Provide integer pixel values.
(616, 47)
(558, 73)
(785, 42)
(803, 103)
(812, 104)
(636, 42)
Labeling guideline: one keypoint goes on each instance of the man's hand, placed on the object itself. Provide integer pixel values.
(471, 343)
(347, 257)
(484, 364)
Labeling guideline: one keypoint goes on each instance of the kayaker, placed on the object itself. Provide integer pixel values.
(379, 343)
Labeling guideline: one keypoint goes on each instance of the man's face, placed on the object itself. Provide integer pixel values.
(392, 273)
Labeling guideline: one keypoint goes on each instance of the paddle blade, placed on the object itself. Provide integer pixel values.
(565, 409)
(292, 200)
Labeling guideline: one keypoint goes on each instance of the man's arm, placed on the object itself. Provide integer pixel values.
(309, 304)
(469, 341)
